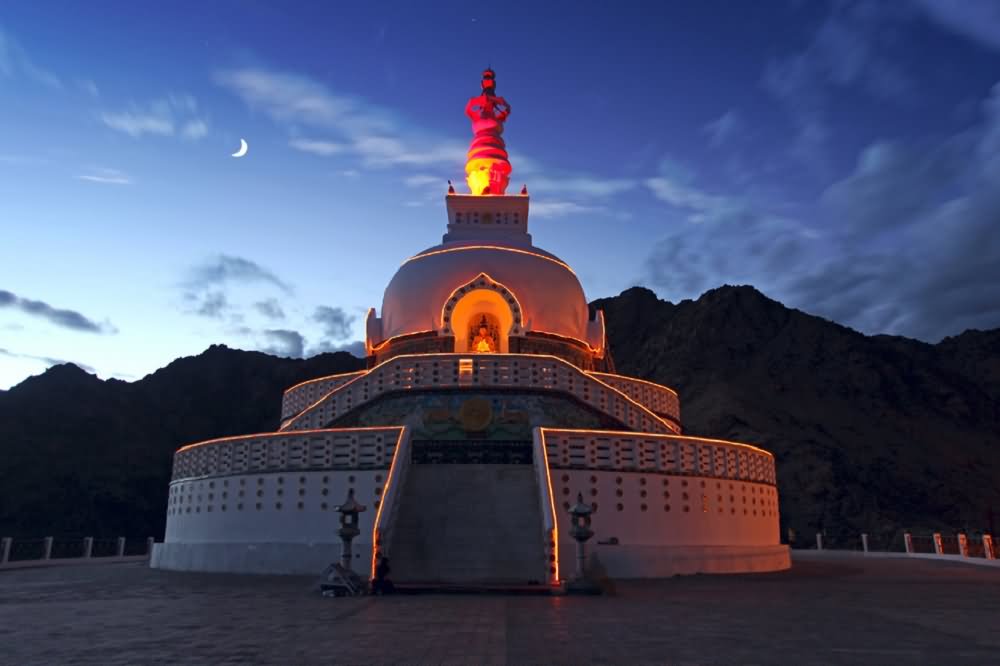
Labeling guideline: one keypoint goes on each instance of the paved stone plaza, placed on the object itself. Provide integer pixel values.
(832, 610)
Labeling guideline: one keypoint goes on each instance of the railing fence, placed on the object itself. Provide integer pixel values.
(956, 544)
(50, 548)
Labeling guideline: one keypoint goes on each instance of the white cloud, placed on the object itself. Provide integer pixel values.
(174, 114)
(14, 62)
(364, 130)
(194, 129)
(89, 87)
(420, 180)
(582, 185)
(722, 129)
(316, 147)
(136, 124)
(297, 99)
(703, 205)
(978, 20)
(105, 176)
(561, 208)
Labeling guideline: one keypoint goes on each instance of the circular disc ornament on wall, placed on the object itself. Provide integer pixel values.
(476, 414)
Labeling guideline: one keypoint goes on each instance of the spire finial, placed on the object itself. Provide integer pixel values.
(487, 168)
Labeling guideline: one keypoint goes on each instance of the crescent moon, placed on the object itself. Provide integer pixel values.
(243, 149)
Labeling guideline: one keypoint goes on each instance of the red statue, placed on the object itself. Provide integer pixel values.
(487, 169)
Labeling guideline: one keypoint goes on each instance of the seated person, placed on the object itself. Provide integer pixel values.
(381, 583)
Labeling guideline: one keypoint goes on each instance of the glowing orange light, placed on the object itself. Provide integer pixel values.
(653, 435)
(390, 479)
(552, 506)
(594, 373)
(642, 408)
(385, 342)
(489, 247)
(593, 350)
(323, 379)
(471, 286)
(478, 179)
(292, 433)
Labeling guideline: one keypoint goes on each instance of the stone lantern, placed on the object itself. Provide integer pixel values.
(349, 511)
(580, 530)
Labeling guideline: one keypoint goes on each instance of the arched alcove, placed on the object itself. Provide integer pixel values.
(481, 315)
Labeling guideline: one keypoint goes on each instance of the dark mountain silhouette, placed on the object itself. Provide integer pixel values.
(81, 456)
(871, 433)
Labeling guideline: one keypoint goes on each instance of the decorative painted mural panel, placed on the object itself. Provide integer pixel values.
(476, 415)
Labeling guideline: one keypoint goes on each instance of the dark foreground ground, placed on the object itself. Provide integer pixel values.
(834, 610)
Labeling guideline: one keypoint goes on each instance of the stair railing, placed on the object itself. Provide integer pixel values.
(550, 527)
(388, 508)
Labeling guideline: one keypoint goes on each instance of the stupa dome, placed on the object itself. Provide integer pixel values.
(547, 292)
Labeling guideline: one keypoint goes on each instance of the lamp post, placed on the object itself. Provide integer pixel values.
(349, 511)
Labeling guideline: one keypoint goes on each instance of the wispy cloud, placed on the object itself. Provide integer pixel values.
(978, 20)
(15, 62)
(169, 116)
(226, 269)
(420, 180)
(847, 52)
(22, 160)
(105, 176)
(355, 348)
(194, 129)
(214, 305)
(700, 205)
(723, 129)
(47, 360)
(270, 308)
(373, 134)
(587, 186)
(561, 208)
(70, 319)
(283, 342)
(89, 87)
(322, 148)
(336, 323)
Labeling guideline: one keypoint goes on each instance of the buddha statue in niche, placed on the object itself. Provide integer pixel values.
(484, 339)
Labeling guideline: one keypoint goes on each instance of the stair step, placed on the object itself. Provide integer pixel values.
(469, 523)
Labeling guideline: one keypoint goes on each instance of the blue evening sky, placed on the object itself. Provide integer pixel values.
(843, 158)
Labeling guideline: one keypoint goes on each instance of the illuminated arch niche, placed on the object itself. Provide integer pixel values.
(469, 303)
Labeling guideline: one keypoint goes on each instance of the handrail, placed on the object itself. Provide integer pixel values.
(385, 518)
(550, 525)
(441, 370)
(296, 398)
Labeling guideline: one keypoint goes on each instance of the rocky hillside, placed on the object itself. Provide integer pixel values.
(80, 456)
(870, 433)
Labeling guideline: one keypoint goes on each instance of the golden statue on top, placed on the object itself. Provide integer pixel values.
(487, 169)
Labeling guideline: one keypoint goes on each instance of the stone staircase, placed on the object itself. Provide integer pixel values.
(468, 524)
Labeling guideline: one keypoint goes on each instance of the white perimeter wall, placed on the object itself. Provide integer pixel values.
(294, 507)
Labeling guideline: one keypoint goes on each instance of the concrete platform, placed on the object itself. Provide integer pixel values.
(825, 610)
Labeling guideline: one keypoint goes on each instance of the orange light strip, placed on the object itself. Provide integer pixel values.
(472, 281)
(489, 247)
(655, 435)
(396, 359)
(632, 379)
(670, 426)
(390, 478)
(320, 379)
(595, 350)
(397, 337)
(552, 506)
(279, 433)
